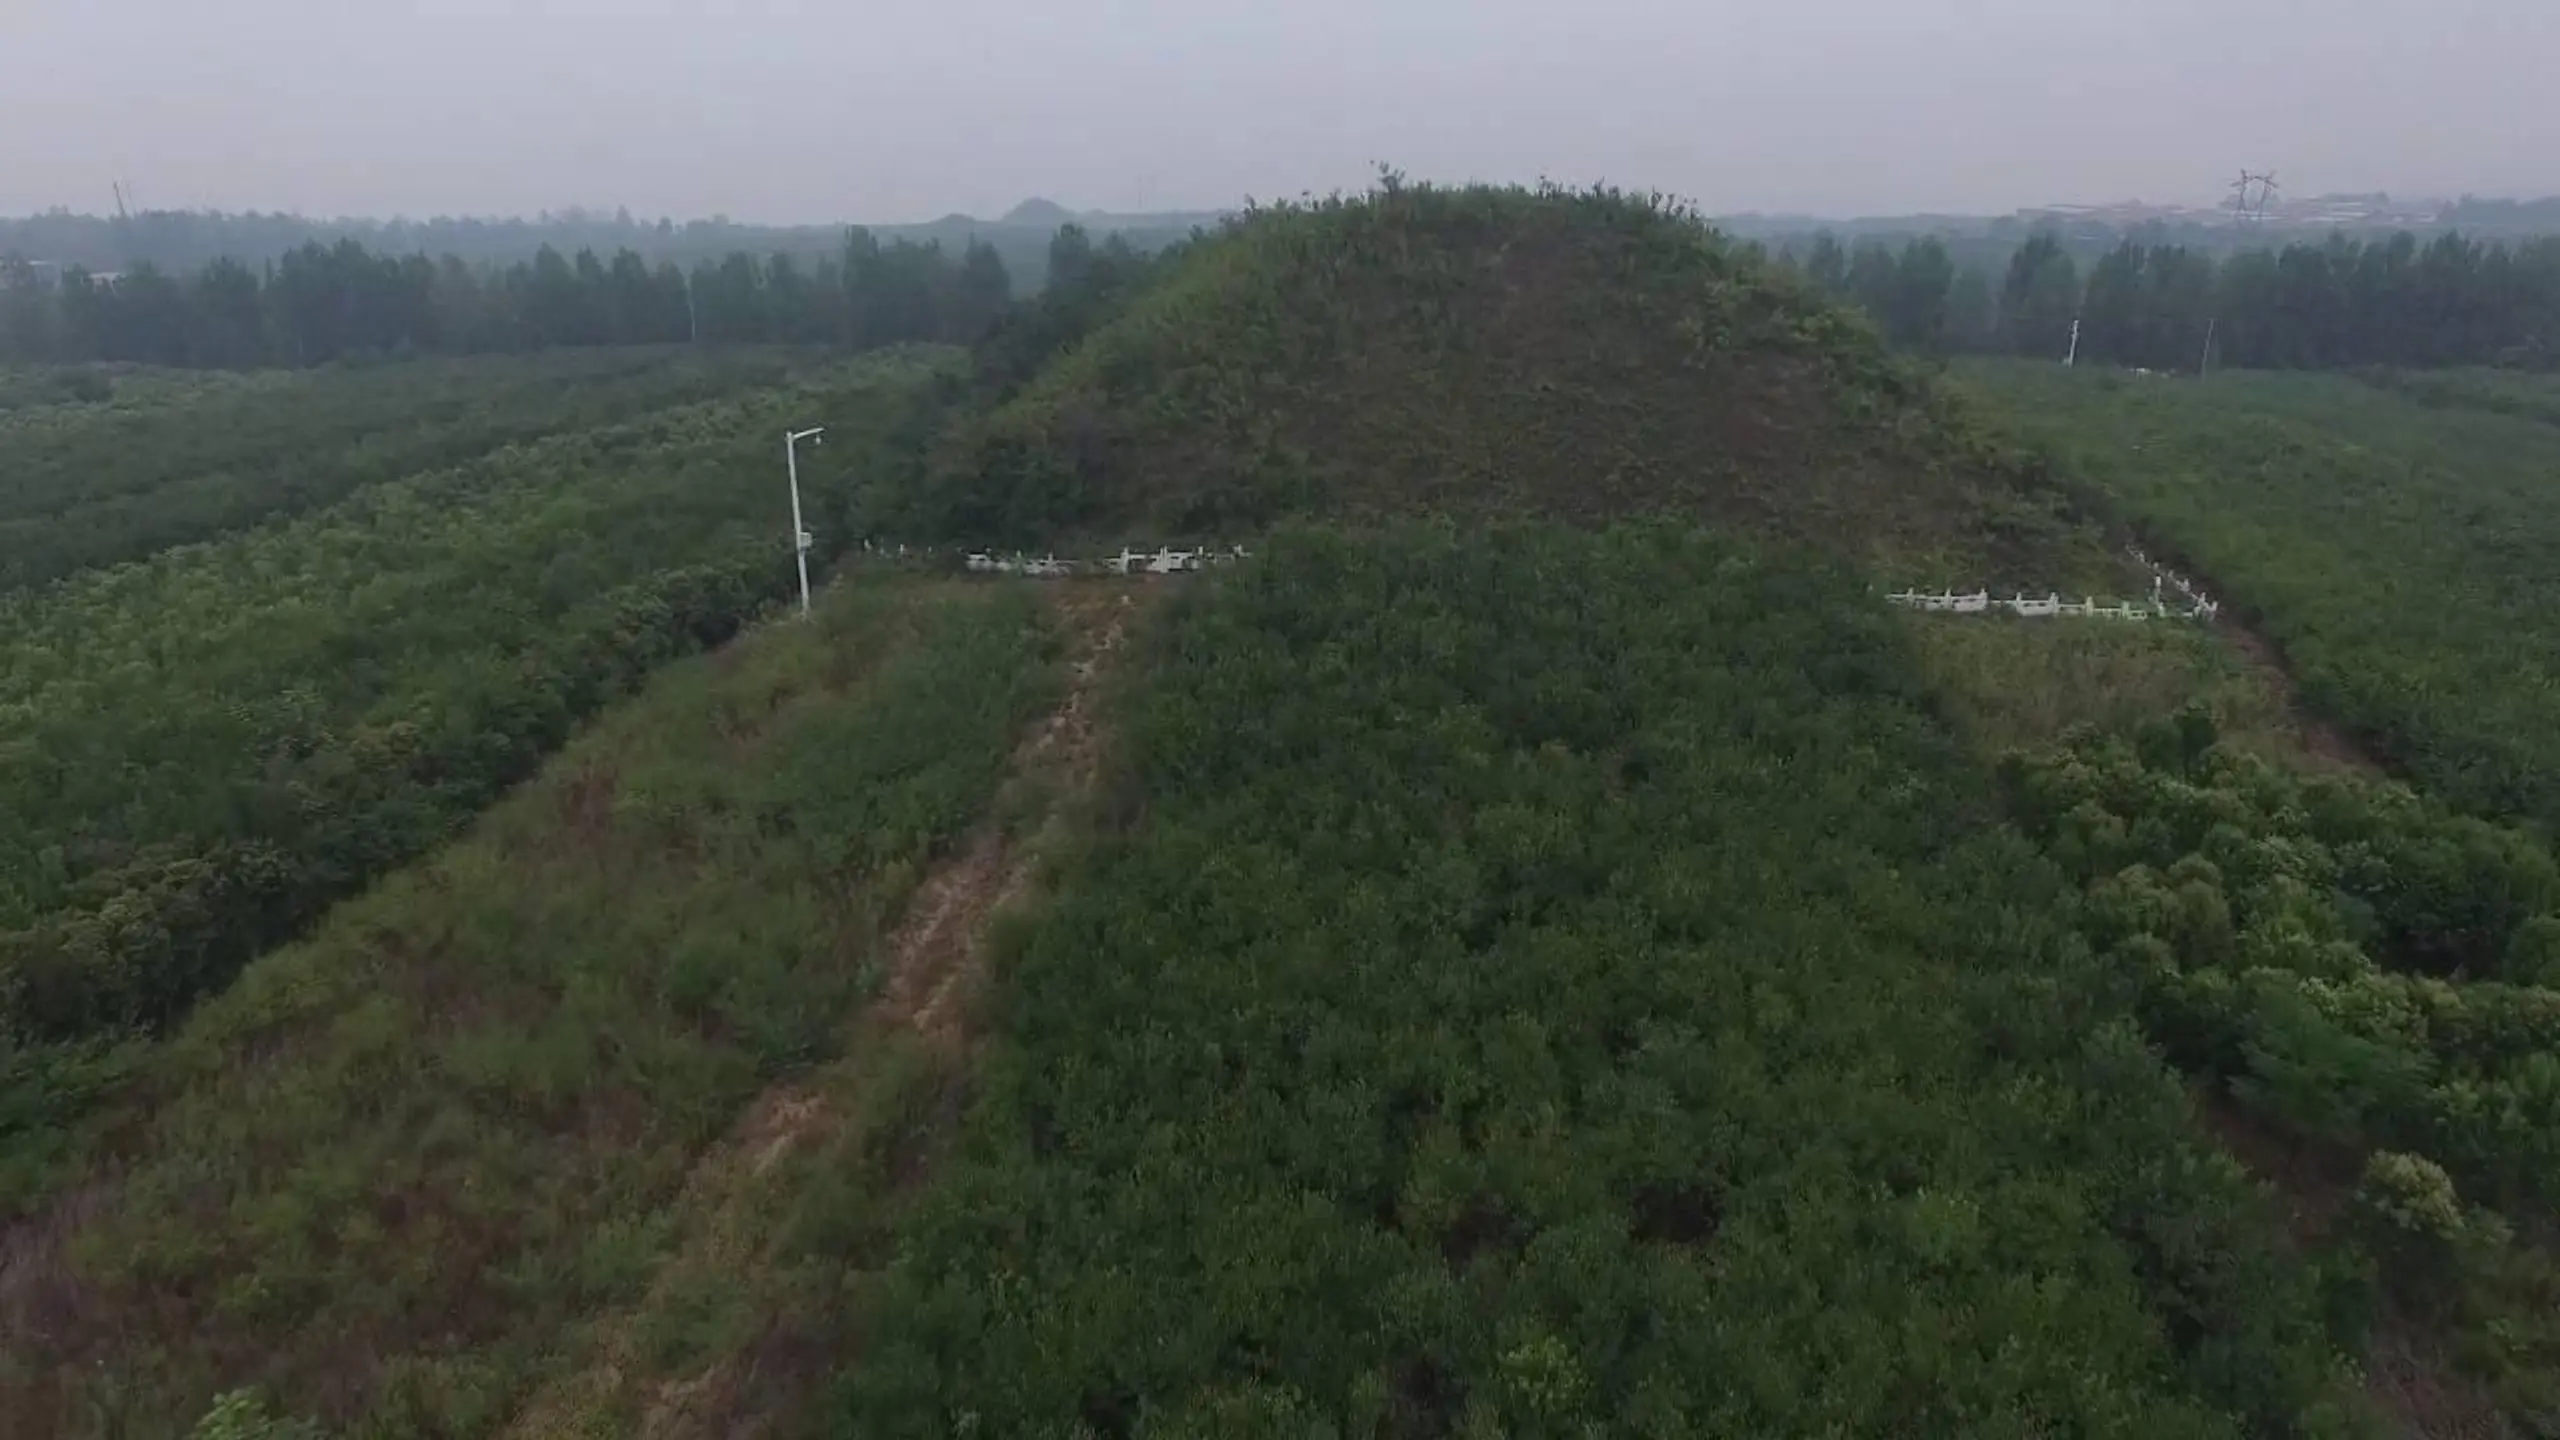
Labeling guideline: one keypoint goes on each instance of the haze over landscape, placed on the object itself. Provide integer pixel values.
(745, 719)
(783, 111)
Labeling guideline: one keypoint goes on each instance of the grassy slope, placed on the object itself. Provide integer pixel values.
(2398, 553)
(388, 1172)
(1565, 985)
(2021, 685)
(2524, 394)
(1485, 350)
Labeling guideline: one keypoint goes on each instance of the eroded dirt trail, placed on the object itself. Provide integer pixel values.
(2320, 737)
(727, 1218)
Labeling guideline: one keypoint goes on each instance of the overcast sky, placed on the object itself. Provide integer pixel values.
(893, 110)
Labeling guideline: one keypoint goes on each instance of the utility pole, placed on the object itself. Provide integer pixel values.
(800, 537)
(693, 321)
(2071, 357)
(2204, 365)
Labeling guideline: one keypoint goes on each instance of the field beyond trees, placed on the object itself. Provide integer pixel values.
(162, 458)
(2393, 542)
(207, 747)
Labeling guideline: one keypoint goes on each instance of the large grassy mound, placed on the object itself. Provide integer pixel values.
(1475, 351)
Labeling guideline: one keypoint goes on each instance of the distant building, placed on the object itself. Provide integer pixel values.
(49, 273)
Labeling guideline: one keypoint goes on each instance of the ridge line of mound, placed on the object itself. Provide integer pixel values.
(1474, 352)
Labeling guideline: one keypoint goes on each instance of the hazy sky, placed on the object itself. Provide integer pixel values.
(891, 110)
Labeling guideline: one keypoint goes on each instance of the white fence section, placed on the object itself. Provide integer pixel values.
(1163, 561)
(2188, 590)
(2191, 602)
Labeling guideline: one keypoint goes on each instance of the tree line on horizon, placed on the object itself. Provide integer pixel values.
(2336, 303)
(322, 303)
(2341, 302)
(188, 240)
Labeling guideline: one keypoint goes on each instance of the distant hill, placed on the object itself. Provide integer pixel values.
(1047, 214)
(1485, 351)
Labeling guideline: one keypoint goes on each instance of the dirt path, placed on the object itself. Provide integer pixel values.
(2320, 738)
(725, 1216)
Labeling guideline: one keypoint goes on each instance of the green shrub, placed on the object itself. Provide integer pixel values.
(244, 1415)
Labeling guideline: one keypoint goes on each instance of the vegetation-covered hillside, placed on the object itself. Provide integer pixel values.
(1472, 351)
(1549, 985)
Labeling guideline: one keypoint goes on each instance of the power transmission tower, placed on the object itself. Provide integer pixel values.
(2250, 195)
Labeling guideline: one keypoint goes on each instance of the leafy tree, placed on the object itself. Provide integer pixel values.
(1923, 279)
(1827, 265)
(1973, 314)
(2039, 298)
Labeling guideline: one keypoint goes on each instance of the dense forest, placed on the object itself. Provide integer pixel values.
(2344, 301)
(318, 304)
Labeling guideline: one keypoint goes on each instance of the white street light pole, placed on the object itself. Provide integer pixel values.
(800, 536)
